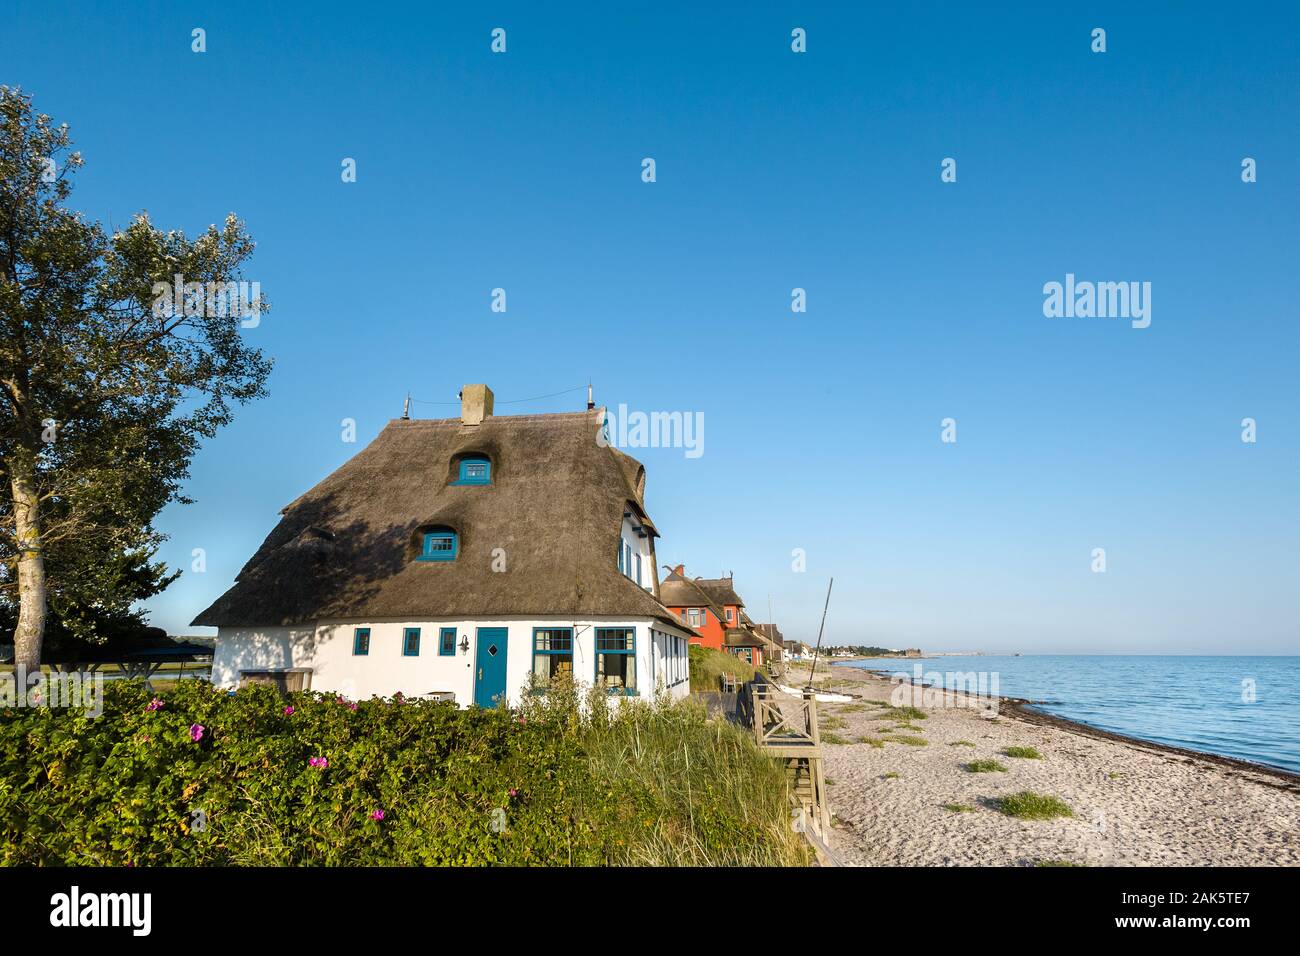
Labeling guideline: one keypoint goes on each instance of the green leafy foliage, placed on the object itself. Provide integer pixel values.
(555, 783)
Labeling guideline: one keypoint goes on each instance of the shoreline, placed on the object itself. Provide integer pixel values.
(930, 786)
(1023, 709)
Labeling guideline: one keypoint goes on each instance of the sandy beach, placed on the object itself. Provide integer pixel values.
(1134, 804)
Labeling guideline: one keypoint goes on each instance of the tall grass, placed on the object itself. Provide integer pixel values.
(708, 666)
(692, 792)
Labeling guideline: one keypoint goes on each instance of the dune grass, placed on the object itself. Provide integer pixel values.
(961, 743)
(1024, 753)
(908, 739)
(985, 766)
(871, 741)
(901, 713)
(1027, 805)
(959, 807)
(708, 666)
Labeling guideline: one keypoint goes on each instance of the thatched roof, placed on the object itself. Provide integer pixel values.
(555, 508)
(720, 590)
(772, 633)
(677, 590)
(743, 637)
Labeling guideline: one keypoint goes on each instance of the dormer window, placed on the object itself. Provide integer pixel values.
(439, 545)
(475, 471)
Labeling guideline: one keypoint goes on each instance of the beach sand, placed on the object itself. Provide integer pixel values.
(1134, 804)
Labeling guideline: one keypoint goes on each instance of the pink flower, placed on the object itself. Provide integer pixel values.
(155, 704)
(353, 706)
(288, 712)
(196, 732)
(376, 814)
(320, 762)
(522, 721)
(514, 792)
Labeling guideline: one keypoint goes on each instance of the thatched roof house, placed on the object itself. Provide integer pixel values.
(716, 611)
(446, 524)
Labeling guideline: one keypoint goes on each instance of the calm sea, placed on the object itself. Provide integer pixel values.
(1246, 707)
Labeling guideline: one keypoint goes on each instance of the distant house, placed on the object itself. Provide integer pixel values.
(460, 557)
(715, 611)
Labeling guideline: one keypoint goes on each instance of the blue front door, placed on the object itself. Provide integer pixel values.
(490, 666)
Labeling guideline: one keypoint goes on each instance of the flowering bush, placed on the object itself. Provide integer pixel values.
(205, 777)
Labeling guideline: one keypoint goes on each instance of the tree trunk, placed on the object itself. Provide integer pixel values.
(31, 561)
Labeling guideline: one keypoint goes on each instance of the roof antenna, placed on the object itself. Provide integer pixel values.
(406, 408)
(591, 402)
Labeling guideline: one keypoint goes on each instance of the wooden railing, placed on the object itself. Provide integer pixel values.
(786, 727)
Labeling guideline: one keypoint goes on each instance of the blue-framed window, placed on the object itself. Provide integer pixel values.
(627, 559)
(620, 557)
(693, 617)
(616, 659)
(638, 569)
(552, 653)
(475, 471)
(411, 642)
(361, 642)
(441, 545)
(447, 642)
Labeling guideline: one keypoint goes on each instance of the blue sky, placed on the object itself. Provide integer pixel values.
(775, 170)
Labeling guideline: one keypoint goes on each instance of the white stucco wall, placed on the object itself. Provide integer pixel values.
(325, 652)
(640, 546)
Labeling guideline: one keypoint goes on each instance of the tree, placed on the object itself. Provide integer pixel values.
(109, 379)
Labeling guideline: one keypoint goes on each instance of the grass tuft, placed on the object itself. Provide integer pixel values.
(1024, 753)
(959, 807)
(1027, 805)
(909, 740)
(961, 743)
(985, 766)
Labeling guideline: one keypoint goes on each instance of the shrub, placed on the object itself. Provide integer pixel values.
(1028, 805)
(1025, 753)
(302, 780)
(985, 766)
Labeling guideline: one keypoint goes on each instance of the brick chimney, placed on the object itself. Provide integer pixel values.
(680, 570)
(475, 404)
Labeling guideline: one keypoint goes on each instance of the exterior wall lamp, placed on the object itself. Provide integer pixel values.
(464, 644)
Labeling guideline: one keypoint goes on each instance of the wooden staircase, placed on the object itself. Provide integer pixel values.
(786, 727)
